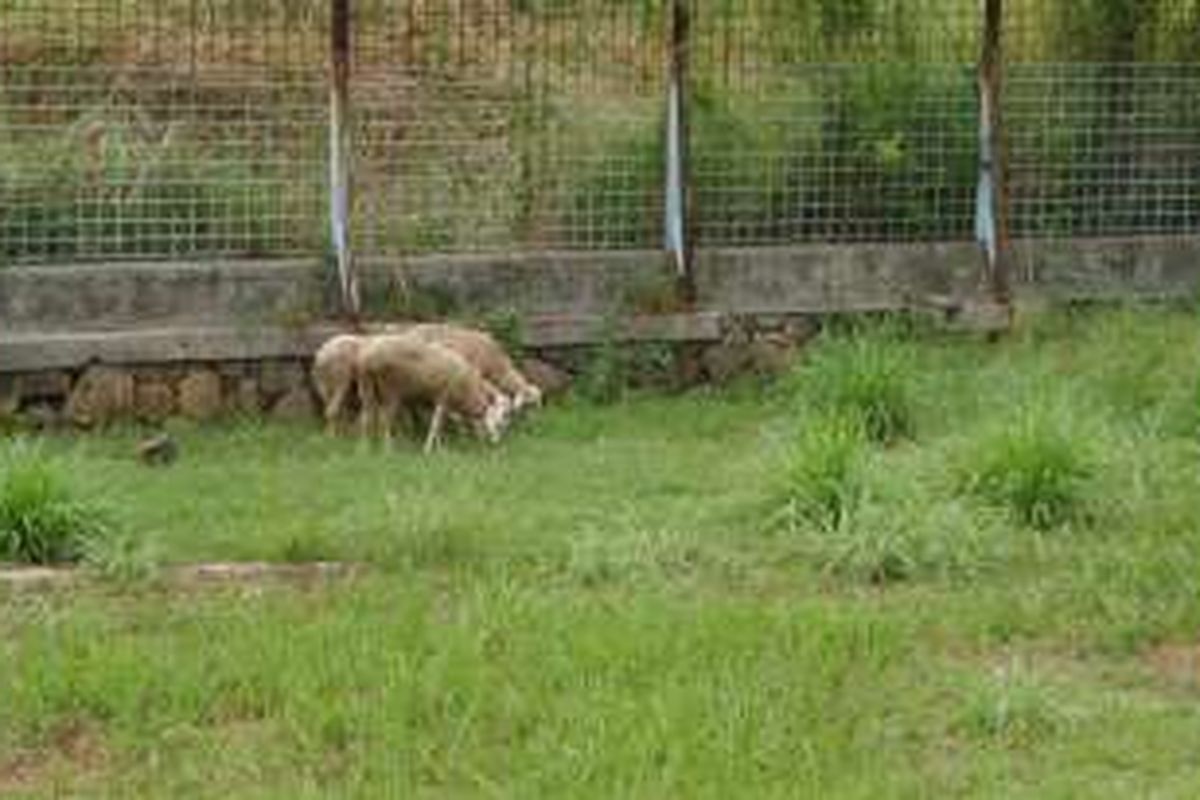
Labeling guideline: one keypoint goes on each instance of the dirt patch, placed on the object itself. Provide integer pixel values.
(72, 750)
(17, 578)
(1177, 665)
(33, 577)
(19, 773)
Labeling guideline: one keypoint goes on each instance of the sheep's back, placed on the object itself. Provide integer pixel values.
(479, 348)
(413, 368)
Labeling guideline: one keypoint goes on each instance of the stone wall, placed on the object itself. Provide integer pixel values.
(704, 349)
(100, 394)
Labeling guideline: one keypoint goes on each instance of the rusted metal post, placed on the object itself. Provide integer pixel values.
(992, 201)
(339, 157)
(677, 206)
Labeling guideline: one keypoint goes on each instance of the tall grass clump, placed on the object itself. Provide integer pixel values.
(1037, 467)
(824, 472)
(873, 516)
(900, 532)
(865, 373)
(41, 520)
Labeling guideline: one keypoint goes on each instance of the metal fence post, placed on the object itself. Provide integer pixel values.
(339, 157)
(992, 201)
(677, 207)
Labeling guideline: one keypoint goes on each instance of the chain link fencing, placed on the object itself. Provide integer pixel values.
(182, 129)
(154, 130)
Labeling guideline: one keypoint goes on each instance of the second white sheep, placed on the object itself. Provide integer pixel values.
(395, 371)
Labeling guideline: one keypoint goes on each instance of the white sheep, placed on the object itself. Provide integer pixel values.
(395, 370)
(487, 355)
(334, 365)
(334, 373)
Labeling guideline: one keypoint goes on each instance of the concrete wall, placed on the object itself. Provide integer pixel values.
(1146, 268)
(138, 296)
(65, 317)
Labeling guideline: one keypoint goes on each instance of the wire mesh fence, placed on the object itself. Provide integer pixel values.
(497, 125)
(1102, 104)
(151, 130)
(164, 129)
(834, 122)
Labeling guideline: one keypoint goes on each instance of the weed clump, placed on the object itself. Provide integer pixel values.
(41, 521)
(824, 471)
(854, 515)
(1037, 468)
(867, 374)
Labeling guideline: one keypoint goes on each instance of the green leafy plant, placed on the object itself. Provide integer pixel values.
(41, 521)
(1037, 468)
(823, 472)
(867, 374)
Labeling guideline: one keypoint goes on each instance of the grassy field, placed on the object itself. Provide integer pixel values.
(917, 567)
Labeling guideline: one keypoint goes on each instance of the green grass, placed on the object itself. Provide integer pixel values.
(1035, 466)
(42, 521)
(864, 373)
(823, 476)
(612, 603)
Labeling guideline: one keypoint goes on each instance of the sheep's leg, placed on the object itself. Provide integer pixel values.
(333, 408)
(368, 410)
(435, 426)
(386, 401)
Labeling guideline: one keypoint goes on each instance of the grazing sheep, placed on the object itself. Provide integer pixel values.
(400, 369)
(334, 374)
(335, 364)
(487, 355)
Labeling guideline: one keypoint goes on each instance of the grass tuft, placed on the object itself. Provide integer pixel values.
(41, 520)
(892, 539)
(1013, 709)
(867, 373)
(823, 472)
(1038, 468)
(630, 552)
(879, 517)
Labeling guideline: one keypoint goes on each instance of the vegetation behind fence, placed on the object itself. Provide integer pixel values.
(185, 128)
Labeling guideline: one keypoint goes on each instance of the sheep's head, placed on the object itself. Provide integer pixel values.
(529, 395)
(496, 417)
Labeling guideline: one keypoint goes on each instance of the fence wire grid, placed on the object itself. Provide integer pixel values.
(161, 129)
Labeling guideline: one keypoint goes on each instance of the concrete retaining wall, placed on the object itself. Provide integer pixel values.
(294, 294)
(249, 322)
